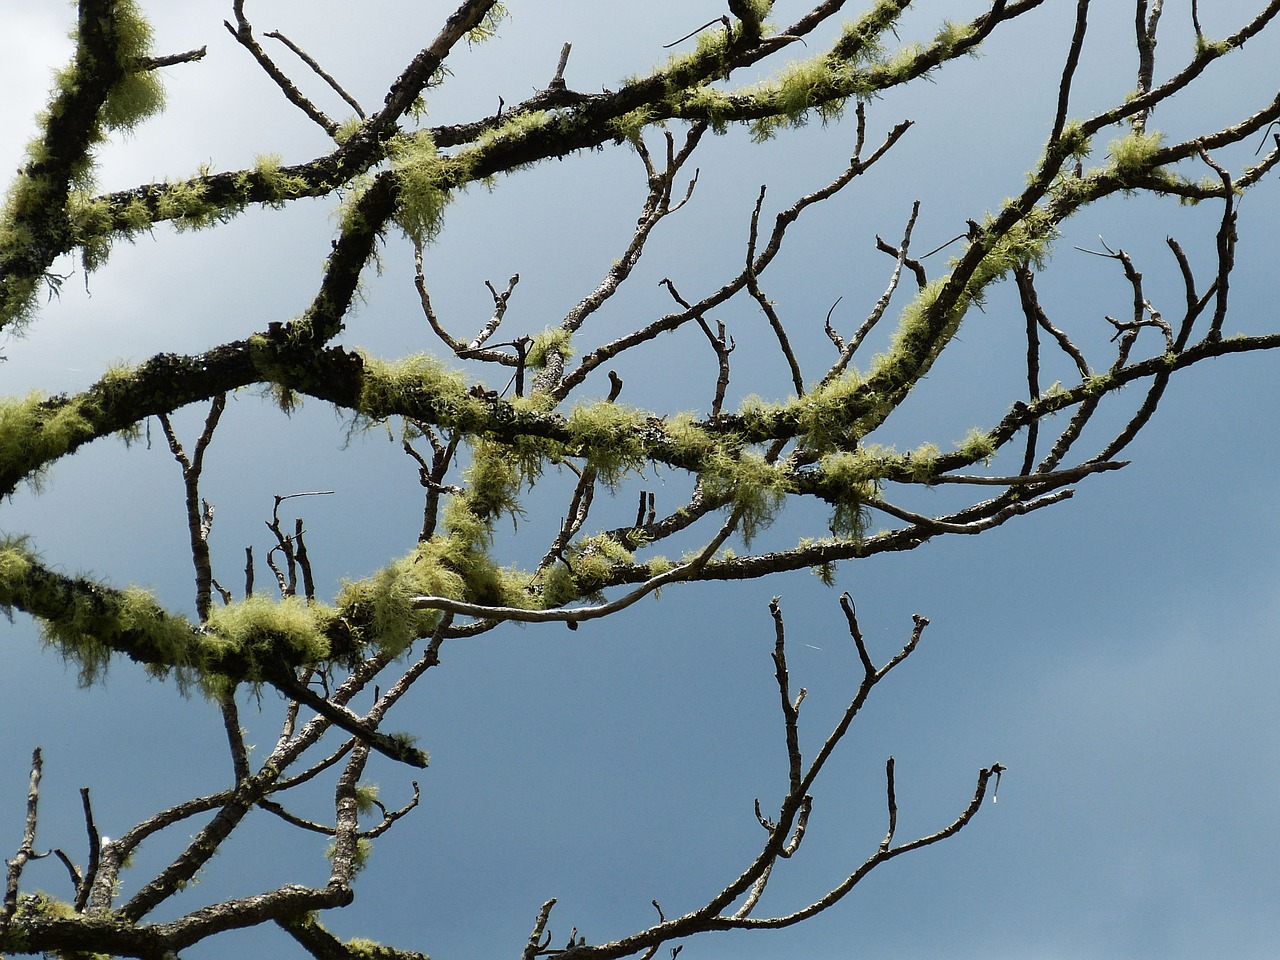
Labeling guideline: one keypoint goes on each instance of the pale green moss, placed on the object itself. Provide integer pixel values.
(388, 386)
(138, 94)
(134, 217)
(709, 104)
(363, 948)
(950, 36)
(86, 630)
(977, 445)
(760, 415)
(91, 222)
(852, 478)
(632, 124)
(487, 28)
(420, 173)
(657, 566)
(493, 480)
(553, 341)
(259, 628)
(1131, 155)
(607, 435)
(586, 567)
(515, 128)
(86, 625)
(34, 432)
(185, 204)
(347, 129)
(688, 441)
(920, 336)
(1098, 384)
(1215, 48)
(912, 341)
(752, 486)
(1074, 140)
(366, 797)
(278, 185)
(823, 414)
(385, 600)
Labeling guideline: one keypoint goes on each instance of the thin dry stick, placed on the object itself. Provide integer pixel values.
(199, 521)
(26, 849)
(318, 70)
(1069, 69)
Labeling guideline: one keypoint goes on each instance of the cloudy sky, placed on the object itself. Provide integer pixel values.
(1116, 653)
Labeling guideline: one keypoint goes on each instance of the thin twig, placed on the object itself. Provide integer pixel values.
(318, 70)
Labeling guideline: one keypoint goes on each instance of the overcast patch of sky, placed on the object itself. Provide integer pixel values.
(1115, 653)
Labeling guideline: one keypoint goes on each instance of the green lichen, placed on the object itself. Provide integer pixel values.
(34, 196)
(851, 478)
(950, 36)
(90, 222)
(1073, 141)
(1132, 154)
(493, 479)
(914, 340)
(487, 28)
(138, 94)
(1098, 384)
(800, 88)
(750, 484)
(657, 566)
(385, 601)
(347, 129)
(1212, 48)
(277, 185)
(608, 436)
(388, 387)
(366, 797)
(363, 948)
(823, 414)
(35, 431)
(761, 416)
(455, 564)
(267, 632)
(85, 633)
(555, 341)
(709, 104)
(689, 442)
(516, 128)
(977, 445)
(185, 203)
(421, 177)
(583, 569)
(921, 335)
(632, 124)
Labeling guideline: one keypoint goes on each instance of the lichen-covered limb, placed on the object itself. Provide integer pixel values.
(106, 86)
(39, 923)
(111, 84)
(39, 432)
(323, 945)
(89, 622)
(852, 67)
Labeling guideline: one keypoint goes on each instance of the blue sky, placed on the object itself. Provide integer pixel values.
(1117, 653)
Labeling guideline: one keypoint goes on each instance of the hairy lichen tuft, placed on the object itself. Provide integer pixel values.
(267, 632)
(420, 175)
(1131, 155)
